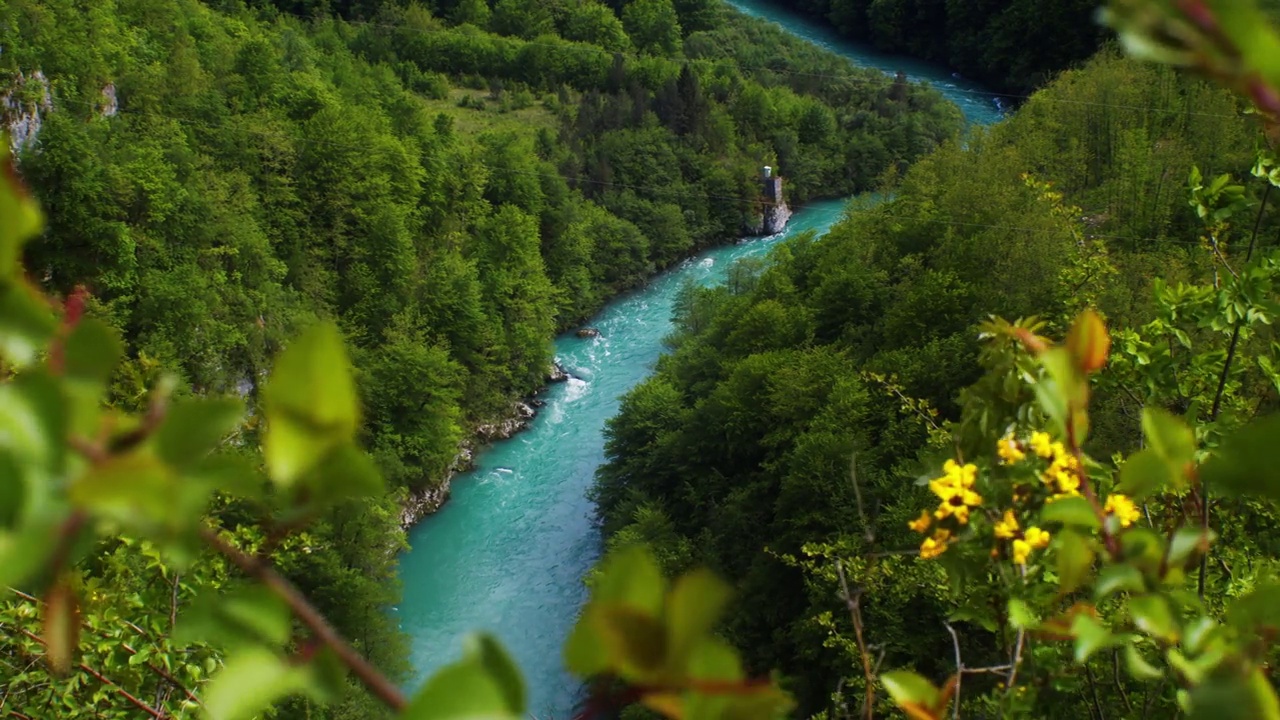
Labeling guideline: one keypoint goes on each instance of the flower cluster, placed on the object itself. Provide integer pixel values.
(956, 497)
(1023, 542)
(1122, 508)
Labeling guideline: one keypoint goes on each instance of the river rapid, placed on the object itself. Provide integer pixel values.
(508, 552)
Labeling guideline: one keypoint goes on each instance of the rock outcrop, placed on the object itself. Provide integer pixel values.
(23, 107)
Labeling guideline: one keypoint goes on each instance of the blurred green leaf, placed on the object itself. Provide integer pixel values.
(346, 472)
(1091, 636)
(1118, 577)
(693, 607)
(1235, 697)
(1145, 473)
(27, 323)
(1075, 560)
(635, 642)
(61, 627)
(1021, 617)
(631, 576)
(1143, 548)
(311, 404)
(1168, 436)
(1245, 462)
(1138, 666)
(1189, 543)
(250, 616)
(1260, 608)
(194, 426)
(907, 688)
(485, 683)
(136, 489)
(1152, 615)
(92, 351)
(23, 219)
(1070, 511)
(251, 680)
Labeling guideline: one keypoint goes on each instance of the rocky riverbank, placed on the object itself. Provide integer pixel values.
(421, 503)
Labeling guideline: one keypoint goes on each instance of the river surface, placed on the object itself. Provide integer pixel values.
(508, 552)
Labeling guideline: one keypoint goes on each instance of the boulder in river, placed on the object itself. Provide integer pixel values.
(588, 332)
(556, 373)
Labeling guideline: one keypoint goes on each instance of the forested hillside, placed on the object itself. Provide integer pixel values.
(860, 346)
(452, 185)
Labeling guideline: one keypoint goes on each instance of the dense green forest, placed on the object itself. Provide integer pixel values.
(410, 199)
(451, 184)
(861, 345)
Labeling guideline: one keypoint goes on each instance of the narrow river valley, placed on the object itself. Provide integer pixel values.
(508, 552)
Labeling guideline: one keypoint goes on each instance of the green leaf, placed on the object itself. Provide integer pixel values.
(908, 688)
(1198, 633)
(61, 627)
(1138, 666)
(249, 616)
(1259, 609)
(251, 680)
(1075, 560)
(631, 576)
(1119, 577)
(1145, 473)
(1189, 543)
(1152, 615)
(982, 616)
(346, 472)
(1143, 548)
(584, 652)
(20, 217)
(485, 683)
(1234, 697)
(1091, 636)
(1245, 462)
(693, 607)
(1169, 436)
(311, 404)
(194, 427)
(1070, 511)
(635, 642)
(92, 351)
(238, 475)
(27, 323)
(1021, 616)
(136, 489)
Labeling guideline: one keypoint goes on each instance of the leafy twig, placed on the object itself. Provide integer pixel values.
(371, 677)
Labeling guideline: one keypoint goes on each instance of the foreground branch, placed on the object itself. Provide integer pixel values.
(371, 677)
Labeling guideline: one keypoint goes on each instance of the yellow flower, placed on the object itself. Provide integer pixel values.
(944, 488)
(957, 505)
(921, 523)
(1009, 450)
(959, 475)
(1060, 454)
(1041, 445)
(1008, 527)
(1020, 552)
(936, 545)
(1037, 538)
(1124, 508)
(1033, 539)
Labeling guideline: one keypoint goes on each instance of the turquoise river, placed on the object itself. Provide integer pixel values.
(508, 552)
